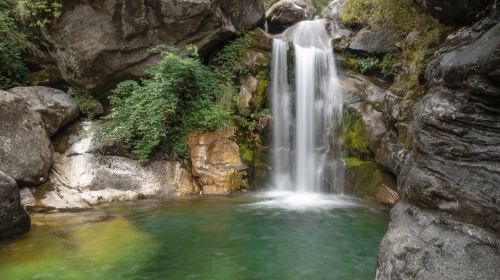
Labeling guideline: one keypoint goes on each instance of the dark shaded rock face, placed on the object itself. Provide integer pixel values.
(55, 107)
(424, 245)
(25, 147)
(457, 12)
(448, 226)
(96, 44)
(13, 219)
(286, 13)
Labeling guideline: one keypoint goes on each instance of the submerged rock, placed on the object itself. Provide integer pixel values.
(55, 107)
(422, 244)
(97, 44)
(13, 219)
(216, 162)
(25, 147)
(286, 13)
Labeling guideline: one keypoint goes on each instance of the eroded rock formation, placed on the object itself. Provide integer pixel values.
(448, 226)
(97, 44)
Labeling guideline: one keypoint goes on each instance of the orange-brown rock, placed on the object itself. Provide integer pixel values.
(216, 161)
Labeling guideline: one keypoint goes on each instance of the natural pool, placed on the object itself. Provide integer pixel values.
(236, 237)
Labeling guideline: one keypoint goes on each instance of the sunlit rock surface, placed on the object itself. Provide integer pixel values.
(25, 147)
(56, 108)
(216, 161)
(81, 177)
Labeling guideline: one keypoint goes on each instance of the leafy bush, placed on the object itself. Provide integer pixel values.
(226, 65)
(12, 39)
(87, 104)
(38, 13)
(367, 64)
(178, 96)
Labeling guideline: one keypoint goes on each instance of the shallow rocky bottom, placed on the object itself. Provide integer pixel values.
(237, 237)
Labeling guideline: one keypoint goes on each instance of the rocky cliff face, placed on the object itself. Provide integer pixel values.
(448, 225)
(96, 44)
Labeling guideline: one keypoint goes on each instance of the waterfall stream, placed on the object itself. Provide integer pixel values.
(305, 110)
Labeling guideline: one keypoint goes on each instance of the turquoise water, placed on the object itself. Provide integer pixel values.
(241, 237)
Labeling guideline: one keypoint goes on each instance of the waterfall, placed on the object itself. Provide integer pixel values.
(306, 110)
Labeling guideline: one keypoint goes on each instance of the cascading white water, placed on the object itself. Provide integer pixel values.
(303, 118)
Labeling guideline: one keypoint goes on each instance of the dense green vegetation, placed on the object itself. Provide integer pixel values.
(404, 17)
(13, 41)
(38, 13)
(178, 95)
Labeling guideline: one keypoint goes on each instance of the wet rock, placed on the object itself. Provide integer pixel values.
(255, 58)
(365, 99)
(216, 162)
(422, 244)
(181, 178)
(55, 107)
(455, 164)
(332, 11)
(456, 12)
(391, 154)
(480, 57)
(366, 180)
(25, 147)
(378, 39)
(13, 219)
(247, 95)
(97, 44)
(286, 13)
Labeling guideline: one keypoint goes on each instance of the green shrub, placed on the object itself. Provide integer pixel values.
(226, 65)
(13, 38)
(38, 13)
(178, 96)
(87, 104)
(367, 64)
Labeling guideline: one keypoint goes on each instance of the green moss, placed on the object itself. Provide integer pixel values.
(354, 140)
(352, 162)
(246, 153)
(261, 90)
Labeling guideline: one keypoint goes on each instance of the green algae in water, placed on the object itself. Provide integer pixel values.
(201, 238)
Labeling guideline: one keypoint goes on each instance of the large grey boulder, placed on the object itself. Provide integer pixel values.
(422, 244)
(25, 147)
(55, 107)
(13, 219)
(456, 12)
(286, 13)
(478, 61)
(82, 177)
(97, 44)
(332, 11)
(377, 39)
